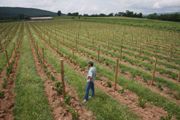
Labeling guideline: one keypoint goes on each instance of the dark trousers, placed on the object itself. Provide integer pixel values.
(89, 85)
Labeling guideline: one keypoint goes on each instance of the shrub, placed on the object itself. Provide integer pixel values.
(67, 99)
(109, 84)
(9, 69)
(168, 117)
(159, 86)
(122, 90)
(177, 96)
(142, 102)
(1, 94)
(59, 88)
(4, 85)
(52, 78)
(75, 115)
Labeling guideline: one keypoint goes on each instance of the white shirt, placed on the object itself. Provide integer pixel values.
(91, 73)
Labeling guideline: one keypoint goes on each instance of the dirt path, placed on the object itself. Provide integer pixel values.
(60, 112)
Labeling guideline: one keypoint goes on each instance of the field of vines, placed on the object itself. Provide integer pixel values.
(43, 69)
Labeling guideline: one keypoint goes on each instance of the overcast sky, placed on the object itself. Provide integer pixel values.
(98, 6)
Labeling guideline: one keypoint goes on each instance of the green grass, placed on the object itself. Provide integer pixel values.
(30, 102)
(155, 24)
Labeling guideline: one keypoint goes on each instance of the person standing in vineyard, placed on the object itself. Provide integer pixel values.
(91, 76)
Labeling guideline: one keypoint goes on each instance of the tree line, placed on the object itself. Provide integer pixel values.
(128, 13)
(167, 16)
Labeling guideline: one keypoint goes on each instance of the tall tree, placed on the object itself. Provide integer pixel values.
(59, 13)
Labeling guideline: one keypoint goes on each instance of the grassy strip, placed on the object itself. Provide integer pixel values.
(153, 24)
(30, 102)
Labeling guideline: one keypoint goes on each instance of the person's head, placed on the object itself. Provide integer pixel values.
(90, 64)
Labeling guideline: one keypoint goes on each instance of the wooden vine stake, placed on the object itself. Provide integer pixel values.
(171, 52)
(57, 44)
(63, 40)
(7, 58)
(73, 52)
(93, 41)
(43, 54)
(116, 74)
(14, 47)
(154, 71)
(1, 46)
(108, 44)
(49, 40)
(179, 76)
(62, 76)
(140, 49)
(37, 47)
(121, 54)
(76, 44)
(98, 52)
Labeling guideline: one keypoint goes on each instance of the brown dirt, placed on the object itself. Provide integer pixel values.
(129, 98)
(7, 103)
(60, 112)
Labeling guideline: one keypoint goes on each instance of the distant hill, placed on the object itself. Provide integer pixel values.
(18, 12)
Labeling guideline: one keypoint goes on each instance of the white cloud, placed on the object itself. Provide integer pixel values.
(166, 3)
(97, 6)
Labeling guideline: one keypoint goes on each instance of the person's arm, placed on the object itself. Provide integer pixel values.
(90, 75)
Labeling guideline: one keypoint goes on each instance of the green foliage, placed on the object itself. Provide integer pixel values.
(142, 102)
(53, 78)
(159, 86)
(1, 95)
(9, 69)
(168, 117)
(67, 99)
(109, 84)
(122, 90)
(133, 74)
(4, 84)
(59, 87)
(75, 115)
(167, 16)
(177, 96)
